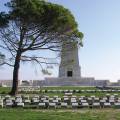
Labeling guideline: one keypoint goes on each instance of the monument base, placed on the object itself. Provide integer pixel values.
(66, 81)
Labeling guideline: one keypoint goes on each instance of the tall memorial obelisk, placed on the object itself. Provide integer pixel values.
(69, 66)
(69, 69)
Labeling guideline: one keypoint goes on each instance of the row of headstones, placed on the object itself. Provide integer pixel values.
(66, 101)
(66, 96)
(63, 91)
(63, 105)
(29, 89)
(69, 95)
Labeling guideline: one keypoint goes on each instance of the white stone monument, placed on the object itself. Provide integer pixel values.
(69, 66)
(70, 70)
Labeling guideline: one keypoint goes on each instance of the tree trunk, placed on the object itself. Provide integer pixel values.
(14, 89)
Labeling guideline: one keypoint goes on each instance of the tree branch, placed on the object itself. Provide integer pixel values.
(5, 63)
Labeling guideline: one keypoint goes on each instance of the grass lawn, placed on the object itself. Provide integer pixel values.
(60, 114)
(69, 88)
(84, 114)
(6, 90)
(97, 94)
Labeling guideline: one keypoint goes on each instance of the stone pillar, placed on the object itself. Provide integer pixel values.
(69, 66)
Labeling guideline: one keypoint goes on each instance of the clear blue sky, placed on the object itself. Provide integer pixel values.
(99, 20)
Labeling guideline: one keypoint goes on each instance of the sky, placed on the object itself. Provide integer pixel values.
(99, 20)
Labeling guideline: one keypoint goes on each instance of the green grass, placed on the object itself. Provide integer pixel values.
(4, 90)
(97, 94)
(69, 88)
(7, 89)
(60, 114)
(84, 114)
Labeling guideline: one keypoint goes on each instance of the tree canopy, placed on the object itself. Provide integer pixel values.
(34, 25)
